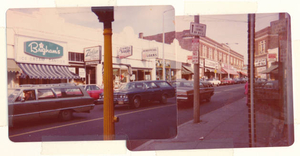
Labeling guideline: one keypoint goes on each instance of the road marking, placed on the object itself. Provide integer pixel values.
(80, 122)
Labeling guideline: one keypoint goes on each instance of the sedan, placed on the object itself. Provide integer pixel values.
(185, 92)
(215, 82)
(134, 94)
(93, 90)
(226, 81)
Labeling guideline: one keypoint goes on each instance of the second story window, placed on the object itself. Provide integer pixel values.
(78, 57)
(210, 53)
(262, 47)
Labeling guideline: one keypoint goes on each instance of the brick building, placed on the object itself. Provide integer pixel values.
(214, 56)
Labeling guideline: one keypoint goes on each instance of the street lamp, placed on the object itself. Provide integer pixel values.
(163, 42)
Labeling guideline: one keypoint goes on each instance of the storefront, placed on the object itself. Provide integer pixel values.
(229, 70)
(42, 61)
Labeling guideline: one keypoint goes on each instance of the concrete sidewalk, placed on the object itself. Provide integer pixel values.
(226, 127)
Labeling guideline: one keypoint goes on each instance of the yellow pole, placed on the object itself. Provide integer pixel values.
(108, 108)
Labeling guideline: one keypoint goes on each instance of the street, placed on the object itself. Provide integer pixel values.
(151, 121)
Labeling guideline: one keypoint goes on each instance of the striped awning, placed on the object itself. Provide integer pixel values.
(12, 66)
(41, 71)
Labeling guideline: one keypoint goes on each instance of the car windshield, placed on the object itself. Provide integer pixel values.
(12, 94)
(131, 86)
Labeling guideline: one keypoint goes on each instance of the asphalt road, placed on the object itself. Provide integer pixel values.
(223, 95)
(152, 121)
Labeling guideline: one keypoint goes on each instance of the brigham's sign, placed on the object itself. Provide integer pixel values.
(43, 49)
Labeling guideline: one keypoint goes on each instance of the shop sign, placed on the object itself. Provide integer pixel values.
(92, 55)
(210, 63)
(124, 52)
(272, 57)
(43, 49)
(261, 62)
(151, 53)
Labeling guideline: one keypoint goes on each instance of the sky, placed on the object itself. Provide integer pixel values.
(230, 29)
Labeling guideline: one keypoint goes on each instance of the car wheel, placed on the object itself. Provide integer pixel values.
(164, 99)
(66, 115)
(136, 102)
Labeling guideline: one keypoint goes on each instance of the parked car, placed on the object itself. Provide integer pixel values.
(227, 81)
(42, 101)
(267, 91)
(185, 92)
(214, 81)
(93, 90)
(237, 80)
(206, 83)
(134, 94)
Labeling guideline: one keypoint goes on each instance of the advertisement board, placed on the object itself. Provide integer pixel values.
(151, 53)
(40, 51)
(92, 55)
(124, 52)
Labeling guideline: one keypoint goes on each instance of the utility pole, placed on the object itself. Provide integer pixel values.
(251, 50)
(106, 15)
(196, 82)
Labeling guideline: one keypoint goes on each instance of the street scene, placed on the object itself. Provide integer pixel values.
(158, 81)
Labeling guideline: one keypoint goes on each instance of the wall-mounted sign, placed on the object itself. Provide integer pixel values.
(43, 49)
(151, 53)
(124, 52)
(260, 62)
(211, 64)
(40, 51)
(92, 55)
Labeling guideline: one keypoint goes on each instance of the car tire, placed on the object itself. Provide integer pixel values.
(136, 103)
(66, 115)
(164, 99)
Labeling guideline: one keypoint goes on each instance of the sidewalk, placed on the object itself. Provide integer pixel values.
(226, 127)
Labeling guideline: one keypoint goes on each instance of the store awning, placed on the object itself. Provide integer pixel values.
(186, 70)
(272, 69)
(213, 71)
(243, 73)
(40, 71)
(230, 71)
(12, 66)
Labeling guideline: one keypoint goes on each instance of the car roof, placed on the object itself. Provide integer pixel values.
(34, 86)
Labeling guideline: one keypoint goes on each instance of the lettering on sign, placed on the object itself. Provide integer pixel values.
(92, 54)
(43, 49)
(198, 29)
(149, 53)
(124, 52)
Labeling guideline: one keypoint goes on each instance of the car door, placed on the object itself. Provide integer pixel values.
(48, 103)
(203, 91)
(25, 109)
(147, 93)
(156, 91)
